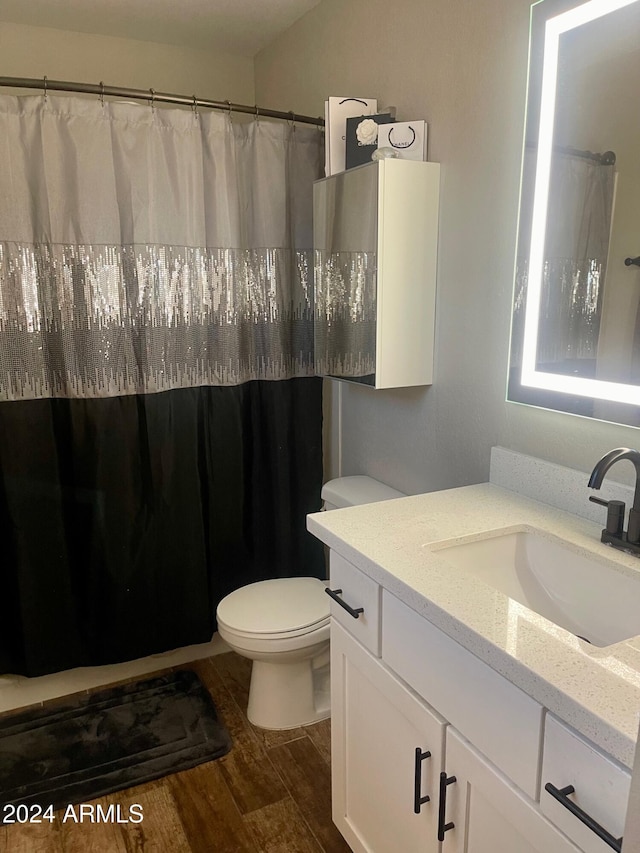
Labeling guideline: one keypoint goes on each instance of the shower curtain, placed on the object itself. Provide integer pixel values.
(160, 423)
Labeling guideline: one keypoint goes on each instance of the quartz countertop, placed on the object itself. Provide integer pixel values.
(595, 690)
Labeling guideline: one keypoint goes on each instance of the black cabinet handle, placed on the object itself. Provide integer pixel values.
(418, 799)
(562, 796)
(335, 593)
(442, 826)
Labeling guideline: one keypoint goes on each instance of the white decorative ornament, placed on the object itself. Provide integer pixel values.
(367, 132)
(385, 153)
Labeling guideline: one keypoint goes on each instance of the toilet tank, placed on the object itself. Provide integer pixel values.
(353, 491)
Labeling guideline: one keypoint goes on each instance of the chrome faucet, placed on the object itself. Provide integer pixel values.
(614, 533)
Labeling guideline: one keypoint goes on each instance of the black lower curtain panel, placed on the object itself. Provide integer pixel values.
(125, 520)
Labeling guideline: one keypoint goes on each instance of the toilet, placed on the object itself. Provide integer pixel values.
(282, 625)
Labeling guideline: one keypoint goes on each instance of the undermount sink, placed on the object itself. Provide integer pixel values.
(588, 596)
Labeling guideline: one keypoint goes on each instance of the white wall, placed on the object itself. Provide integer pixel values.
(63, 55)
(462, 66)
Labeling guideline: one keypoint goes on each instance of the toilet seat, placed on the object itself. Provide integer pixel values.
(281, 608)
(277, 635)
(280, 644)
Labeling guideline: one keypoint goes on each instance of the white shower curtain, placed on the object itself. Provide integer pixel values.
(146, 249)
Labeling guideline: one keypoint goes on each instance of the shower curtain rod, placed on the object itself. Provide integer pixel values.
(150, 95)
(608, 158)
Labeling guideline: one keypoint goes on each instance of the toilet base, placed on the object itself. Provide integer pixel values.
(287, 695)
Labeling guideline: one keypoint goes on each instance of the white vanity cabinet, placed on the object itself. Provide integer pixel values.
(387, 751)
(600, 788)
(488, 814)
(433, 750)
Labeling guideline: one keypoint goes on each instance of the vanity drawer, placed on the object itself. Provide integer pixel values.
(357, 591)
(601, 786)
(496, 716)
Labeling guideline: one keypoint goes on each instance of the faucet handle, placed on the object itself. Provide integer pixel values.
(615, 515)
(600, 501)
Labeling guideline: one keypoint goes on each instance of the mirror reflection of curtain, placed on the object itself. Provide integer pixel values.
(146, 251)
(579, 217)
(346, 239)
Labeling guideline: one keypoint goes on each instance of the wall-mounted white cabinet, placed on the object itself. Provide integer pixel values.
(375, 252)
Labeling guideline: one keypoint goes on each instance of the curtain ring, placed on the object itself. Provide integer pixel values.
(153, 98)
(257, 113)
(45, 88)
(194, 106)
(292, 121)
(102, 93)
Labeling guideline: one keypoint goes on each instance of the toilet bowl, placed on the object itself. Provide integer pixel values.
(282, 625)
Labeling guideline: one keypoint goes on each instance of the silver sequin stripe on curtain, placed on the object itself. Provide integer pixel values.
(100, 321)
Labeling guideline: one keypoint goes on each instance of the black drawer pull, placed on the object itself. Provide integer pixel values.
(418, 799)
(442, 826)
(562, 796)
(335, 593)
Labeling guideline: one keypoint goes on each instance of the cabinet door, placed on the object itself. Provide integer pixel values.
(386, 754)
(489, 814)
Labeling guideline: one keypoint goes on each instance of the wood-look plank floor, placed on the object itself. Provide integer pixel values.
(270, 794)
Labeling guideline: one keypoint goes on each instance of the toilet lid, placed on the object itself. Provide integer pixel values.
(276, 606)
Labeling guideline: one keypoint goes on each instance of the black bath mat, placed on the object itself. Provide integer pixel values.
(97, 744)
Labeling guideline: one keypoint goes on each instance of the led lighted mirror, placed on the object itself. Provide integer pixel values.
(576, 325)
